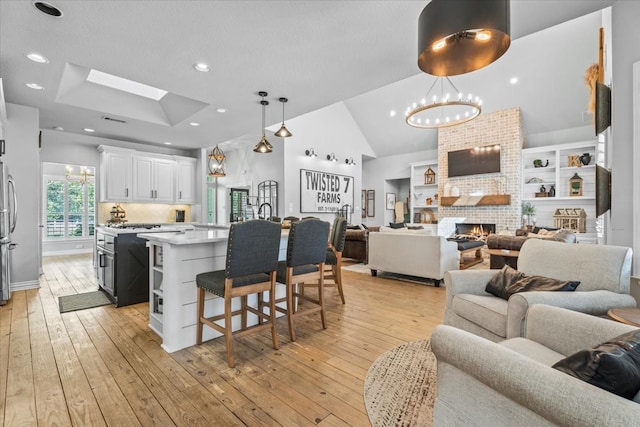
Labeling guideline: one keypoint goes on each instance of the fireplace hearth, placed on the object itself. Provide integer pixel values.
(475, 229)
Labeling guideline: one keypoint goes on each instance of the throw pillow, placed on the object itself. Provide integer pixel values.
(396, 224)
(364, 226)
(415, 227)
(565, 236)
(502, 280)
(537, 229)
(613, 366)
(541, 283)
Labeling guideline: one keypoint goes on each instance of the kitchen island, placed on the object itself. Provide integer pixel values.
(174, 261)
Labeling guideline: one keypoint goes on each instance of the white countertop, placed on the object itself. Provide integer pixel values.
(172, 227)
(190, 237)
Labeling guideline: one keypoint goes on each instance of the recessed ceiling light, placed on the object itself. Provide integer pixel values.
(59, 128)
(221, 110)
(513, 80)
(202, 67)
(125, 85)
(392, 113)
(48, 9)
(194, 124)
(35, 86)
(167, 143)
(36, 57)
(89, 130)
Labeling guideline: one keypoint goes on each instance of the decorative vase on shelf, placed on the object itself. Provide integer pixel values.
(455, 192)
(552, 191)
(447, 190)
(585, 159)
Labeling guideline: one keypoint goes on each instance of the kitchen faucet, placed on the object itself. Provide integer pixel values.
(260, 210)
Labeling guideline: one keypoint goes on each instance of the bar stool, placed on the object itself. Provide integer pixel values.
(251, 264)
(333, 262)
(306, 253)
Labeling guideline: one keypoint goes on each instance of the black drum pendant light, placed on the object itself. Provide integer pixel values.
(263, 145)
(460, 36)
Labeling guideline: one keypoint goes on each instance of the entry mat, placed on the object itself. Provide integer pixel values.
(81, 301)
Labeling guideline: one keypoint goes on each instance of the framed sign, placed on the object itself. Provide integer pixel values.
(323, 192)
(390, 201)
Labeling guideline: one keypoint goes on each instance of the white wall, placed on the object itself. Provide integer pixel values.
(21, 136)
(626, 39)
(330, 129)
(376, 174)
(245, 168)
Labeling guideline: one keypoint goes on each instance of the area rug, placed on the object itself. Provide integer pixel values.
(400, 386)
(82, 301)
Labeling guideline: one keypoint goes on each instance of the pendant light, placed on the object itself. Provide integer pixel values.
(283, 131)
(438, 108)
(460, 36)
(263, 146)
(216, 157)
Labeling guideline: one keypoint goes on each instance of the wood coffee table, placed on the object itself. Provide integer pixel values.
(508, 256)
(630, 316)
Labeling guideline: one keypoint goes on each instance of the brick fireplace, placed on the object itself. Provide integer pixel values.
(504, 128)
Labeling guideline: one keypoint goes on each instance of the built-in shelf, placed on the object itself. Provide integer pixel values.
(488, 200)
(551, 199)
(420, 212)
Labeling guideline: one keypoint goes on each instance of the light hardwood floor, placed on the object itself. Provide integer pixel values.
(104, 366)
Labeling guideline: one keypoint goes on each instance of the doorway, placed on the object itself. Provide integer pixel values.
(68, 209)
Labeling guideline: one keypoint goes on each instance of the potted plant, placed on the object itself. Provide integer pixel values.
(528, 212)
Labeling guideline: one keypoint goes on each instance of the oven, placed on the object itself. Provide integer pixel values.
(105, 250)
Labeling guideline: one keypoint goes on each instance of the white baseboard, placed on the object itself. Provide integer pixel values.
(23, 286)
(68, 252)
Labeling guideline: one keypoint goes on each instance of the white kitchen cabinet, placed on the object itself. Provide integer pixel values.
(115, 175)
(185, 182)
(153, 179)
(422, 188)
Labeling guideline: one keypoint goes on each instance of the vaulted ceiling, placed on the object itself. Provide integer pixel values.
(315, 53)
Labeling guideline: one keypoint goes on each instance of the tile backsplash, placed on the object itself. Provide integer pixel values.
(145, 212)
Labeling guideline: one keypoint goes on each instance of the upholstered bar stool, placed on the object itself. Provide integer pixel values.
(252, 261)
(306, 253)
(333, 261)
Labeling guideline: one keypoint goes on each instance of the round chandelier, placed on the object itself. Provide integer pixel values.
(442, 107)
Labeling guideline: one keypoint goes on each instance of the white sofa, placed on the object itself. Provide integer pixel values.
(412, 252)
(511, 383)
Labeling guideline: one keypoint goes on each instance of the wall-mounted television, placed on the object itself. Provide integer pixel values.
(474, 161)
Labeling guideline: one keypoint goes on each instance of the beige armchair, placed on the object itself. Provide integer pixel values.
(603, 271)
(482, 383)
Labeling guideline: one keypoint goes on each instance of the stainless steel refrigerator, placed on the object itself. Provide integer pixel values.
(8, 214)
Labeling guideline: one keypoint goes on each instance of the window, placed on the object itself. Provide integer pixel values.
(70, 208)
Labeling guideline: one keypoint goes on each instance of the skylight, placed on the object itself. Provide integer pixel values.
(125, 85)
